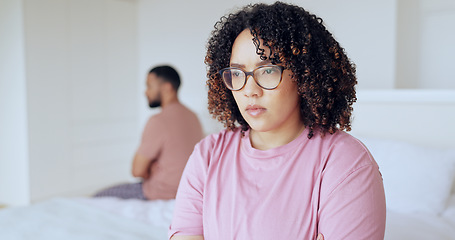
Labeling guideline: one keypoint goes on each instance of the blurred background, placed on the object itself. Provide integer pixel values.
(72, 75)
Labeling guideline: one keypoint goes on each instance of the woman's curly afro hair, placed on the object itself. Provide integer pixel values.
(299, 41)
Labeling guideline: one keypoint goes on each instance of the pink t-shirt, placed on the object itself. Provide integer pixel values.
(168, 140)
(329, 185)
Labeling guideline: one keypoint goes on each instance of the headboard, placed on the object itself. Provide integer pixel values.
(422, 117)
(425, 118)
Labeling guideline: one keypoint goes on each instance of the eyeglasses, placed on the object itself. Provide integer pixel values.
(267, 77)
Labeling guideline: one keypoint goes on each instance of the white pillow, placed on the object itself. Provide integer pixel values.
(416, 179)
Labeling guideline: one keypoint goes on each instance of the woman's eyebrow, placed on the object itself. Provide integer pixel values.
(237, 65)
(264, 62)
(258, 64)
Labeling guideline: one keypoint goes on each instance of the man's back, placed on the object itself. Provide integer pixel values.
(168, 138)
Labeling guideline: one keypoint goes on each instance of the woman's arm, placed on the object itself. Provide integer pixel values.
(356, 208)
(187, 220)
(352, 200)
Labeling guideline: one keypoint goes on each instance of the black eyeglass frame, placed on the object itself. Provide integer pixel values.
(252, 75)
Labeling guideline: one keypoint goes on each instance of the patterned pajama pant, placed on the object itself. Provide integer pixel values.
(125, 191)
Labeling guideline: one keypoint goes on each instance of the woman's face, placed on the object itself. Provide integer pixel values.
(264, 110)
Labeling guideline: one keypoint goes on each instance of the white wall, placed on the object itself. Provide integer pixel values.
(425, 40)
(367, 31)
(81, 64)
(14, 178)
(437, 44)
(408, 40)
(175, 35)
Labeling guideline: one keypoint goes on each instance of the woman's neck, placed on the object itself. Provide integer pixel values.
(275, 138)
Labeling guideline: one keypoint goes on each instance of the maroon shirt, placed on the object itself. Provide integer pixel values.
(168, 140)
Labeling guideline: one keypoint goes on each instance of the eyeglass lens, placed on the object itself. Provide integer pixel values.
(267, 77)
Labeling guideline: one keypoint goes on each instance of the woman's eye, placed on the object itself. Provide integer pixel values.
(267, 71)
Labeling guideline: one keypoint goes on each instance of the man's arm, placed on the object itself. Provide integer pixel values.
(149, 148)
(141, 166)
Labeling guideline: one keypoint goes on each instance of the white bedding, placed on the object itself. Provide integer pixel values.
(421, 226)
(87, 219)
(110, 218)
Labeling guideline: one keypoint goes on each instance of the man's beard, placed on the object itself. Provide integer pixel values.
(155, 103)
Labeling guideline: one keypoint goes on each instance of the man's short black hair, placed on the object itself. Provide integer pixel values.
(167, 74)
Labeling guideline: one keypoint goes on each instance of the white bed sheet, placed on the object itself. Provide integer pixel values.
(157, 213)
(87, 219)
(422, 226)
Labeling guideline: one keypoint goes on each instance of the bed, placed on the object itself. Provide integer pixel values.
(408, 132)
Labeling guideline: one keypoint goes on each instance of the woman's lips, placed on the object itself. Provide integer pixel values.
(255, 110)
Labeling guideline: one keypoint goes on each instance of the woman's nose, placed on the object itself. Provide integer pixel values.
(251, 88)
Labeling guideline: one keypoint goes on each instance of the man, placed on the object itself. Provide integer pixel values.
(167, 141)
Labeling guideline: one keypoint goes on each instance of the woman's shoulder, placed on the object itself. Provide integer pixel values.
(341, 140)
(223, 135)
(220, 139)
(345, 151)
(347, 164)
(210, 148)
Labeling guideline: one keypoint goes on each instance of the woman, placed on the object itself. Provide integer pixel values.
(283, 168)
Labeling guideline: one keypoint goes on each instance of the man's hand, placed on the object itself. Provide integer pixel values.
(320, 237)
